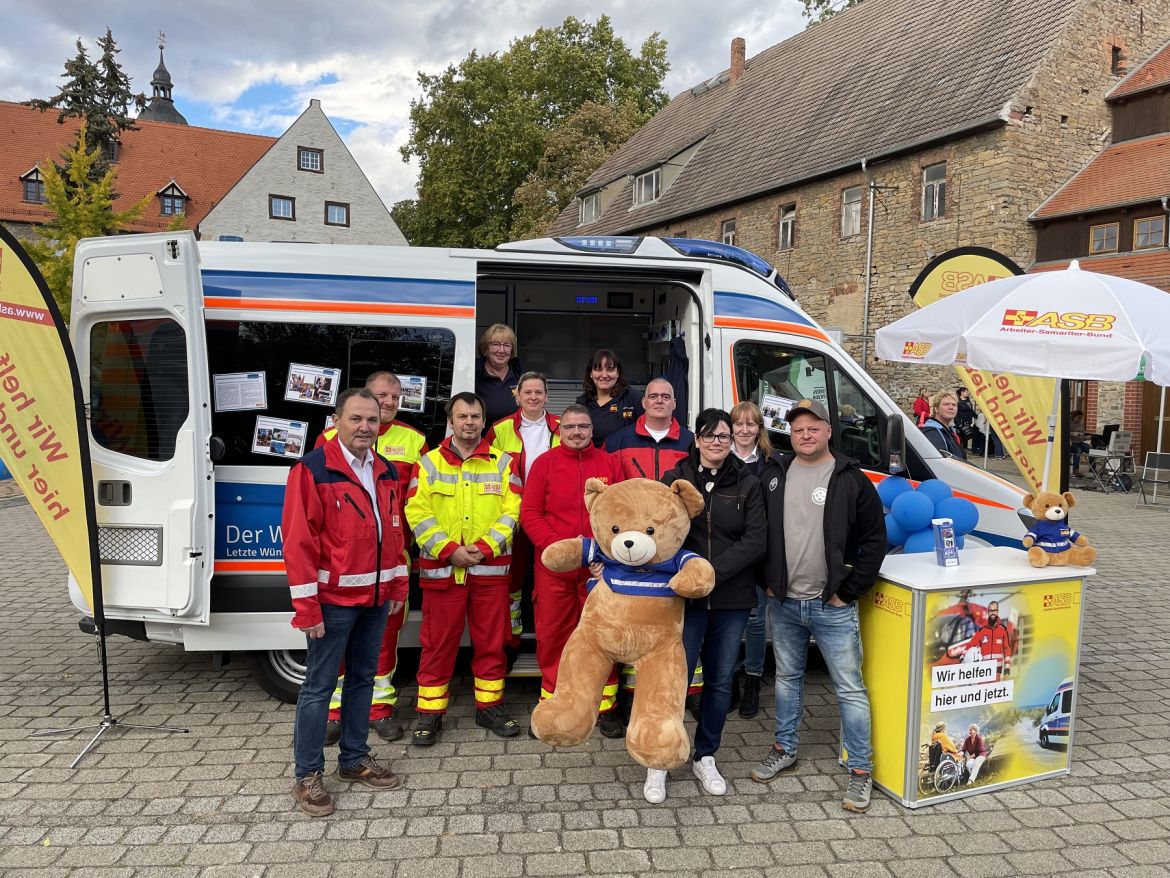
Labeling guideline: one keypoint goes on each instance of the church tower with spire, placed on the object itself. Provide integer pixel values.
(161, 107)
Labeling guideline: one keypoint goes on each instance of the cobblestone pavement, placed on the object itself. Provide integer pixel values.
(216, 802)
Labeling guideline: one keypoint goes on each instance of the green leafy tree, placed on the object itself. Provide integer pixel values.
(573, 151)
(819, 10)
(481, 126)
(81, 208)
(99, 93)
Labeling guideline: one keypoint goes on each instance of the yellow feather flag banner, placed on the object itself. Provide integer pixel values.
(1017, 406)
(42, 425)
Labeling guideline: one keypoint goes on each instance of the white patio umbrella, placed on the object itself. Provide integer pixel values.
(1055, 324)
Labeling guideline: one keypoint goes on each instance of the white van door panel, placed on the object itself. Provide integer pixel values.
(137, 329)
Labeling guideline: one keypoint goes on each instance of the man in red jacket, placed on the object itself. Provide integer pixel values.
(553, 509)
(342, 527)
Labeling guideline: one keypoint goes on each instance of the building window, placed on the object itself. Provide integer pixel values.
(1116, 61)
(336, 213)
(648, 186)
(851, 212)
(309, 159)
(934, 191)
(1103, 238)
(727, 232)
(33, 186)
(173, 205)
(681, 233)
(590, 208)
(282, 207)
(1149, 232)
(786, 239)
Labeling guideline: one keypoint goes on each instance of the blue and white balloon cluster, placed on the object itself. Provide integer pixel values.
(909, 512)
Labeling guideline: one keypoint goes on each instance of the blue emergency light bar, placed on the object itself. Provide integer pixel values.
(603, 243)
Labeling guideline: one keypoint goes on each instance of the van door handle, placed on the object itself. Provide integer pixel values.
(114, 493)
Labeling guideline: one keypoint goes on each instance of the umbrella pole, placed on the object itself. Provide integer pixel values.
(1161, 421)
(1052, 416)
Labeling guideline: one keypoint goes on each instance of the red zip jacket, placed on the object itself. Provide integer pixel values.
(643, 458)
(332, 551)
(553, 507)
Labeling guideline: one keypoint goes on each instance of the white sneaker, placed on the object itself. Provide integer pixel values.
(704, 769)
(654, 790)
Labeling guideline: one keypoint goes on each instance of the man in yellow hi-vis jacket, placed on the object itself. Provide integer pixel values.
(462, 507)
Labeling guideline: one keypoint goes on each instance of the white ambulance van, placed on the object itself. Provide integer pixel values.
(208, 370)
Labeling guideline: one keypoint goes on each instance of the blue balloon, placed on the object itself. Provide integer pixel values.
(895, 534)
(913, 510)
(919, 541)
(959, 510)
(891, 487)
(960, 541)
(936, 489)
(4, 473)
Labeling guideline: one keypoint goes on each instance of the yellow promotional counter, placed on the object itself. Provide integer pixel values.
(935, 667)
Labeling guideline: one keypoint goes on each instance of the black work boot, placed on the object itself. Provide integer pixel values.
(749, 705)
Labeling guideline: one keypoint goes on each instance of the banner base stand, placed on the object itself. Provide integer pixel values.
(104, 725)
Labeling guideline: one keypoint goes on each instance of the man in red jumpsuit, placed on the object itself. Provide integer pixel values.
(553, 509)
(992, 640)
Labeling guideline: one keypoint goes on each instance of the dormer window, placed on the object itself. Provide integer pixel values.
(172, 200)
(590, 208)
(34, 187)
(647, 187)
(309, 159)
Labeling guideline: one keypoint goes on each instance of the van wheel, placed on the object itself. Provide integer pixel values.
(279, 672)
(1044, 740)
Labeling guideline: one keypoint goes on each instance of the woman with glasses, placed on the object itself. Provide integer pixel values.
(497, 373)
(751, 446)
(731, 533)
(611, 402)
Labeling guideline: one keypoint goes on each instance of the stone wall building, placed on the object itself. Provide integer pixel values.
(959, 118)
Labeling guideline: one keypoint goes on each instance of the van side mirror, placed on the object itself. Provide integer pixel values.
(895, 444)
(215, 448)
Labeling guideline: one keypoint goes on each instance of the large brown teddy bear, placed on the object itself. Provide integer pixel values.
(1050, 540)
(633, 615)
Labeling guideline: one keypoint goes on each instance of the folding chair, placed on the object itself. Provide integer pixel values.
(1155, 474)
(1108, 467)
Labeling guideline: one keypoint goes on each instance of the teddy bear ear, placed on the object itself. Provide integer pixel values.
(690, 496)
(593, 489)
(1069, 499)
(1029, 499)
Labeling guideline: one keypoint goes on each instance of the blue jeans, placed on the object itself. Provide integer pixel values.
(354, 633)
(755, 639)
(838, 635)
(715, 635)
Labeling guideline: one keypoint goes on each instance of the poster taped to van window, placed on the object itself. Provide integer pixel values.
(318, 385)
(414, 393)
(279, 437)
(775, 410)
(240, 391)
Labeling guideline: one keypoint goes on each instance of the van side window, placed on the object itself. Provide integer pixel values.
(860, 425)
(138, 395)
(1066, 701)
(775, 377)
(358, 351)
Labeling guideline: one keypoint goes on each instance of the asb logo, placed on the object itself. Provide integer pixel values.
(1058, 601)
(1071, 320)
(916, 350)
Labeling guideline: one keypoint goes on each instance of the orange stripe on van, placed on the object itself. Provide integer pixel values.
(771, 326)
(876, 477)
(249, 567)
(734, 383)
(320, 307)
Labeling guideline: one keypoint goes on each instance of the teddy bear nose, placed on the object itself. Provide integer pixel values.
(629, 544)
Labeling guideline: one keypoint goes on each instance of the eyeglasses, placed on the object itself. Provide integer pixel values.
(501, 345)
(716, 438)
(571, 428)
(665, 397)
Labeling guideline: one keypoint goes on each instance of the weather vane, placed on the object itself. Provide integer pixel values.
(162, 40)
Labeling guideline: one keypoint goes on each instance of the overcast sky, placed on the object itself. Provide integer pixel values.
(247, 65)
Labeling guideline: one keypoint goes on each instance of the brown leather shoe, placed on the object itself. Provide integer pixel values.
(310, 793)
(369, 772)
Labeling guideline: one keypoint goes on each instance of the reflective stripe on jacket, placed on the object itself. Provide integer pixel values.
(505, 435)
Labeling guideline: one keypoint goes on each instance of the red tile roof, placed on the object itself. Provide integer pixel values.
(1148, 266)
(1130, 172)
(205, 162)
(1151, 73)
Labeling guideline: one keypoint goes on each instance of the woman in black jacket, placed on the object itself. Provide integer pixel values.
(732, 533)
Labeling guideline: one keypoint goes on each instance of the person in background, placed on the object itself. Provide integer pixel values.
(921, 407)
(612, 403)
(731, 533)
(524, 435)
(752, 447)
(497, 372)
(402, 445)
(939, 428)
(974, 753)
(341, 524)
(1078, 440)
(965, 417)
(462, 507)
(553, 508)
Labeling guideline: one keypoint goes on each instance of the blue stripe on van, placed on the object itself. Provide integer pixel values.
(757, 308)
(247, 521)
(993, 539)
(334, 287)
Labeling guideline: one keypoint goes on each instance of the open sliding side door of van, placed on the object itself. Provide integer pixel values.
(137, 329)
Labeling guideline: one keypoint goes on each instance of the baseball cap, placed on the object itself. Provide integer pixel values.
(811, 406)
